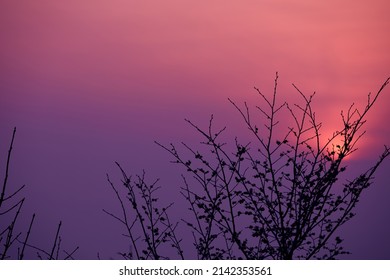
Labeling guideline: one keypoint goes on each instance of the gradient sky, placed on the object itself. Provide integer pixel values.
(90, 82)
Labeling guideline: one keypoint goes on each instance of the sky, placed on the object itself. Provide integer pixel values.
(87, 83)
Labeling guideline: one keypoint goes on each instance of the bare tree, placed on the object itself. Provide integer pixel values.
(279, 196)
(148, 227)
(13, 243)
(276, 197)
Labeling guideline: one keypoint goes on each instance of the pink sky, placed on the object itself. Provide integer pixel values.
(88, 82)
(102, 55)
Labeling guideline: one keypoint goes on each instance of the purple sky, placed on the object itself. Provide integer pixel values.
(88, 83)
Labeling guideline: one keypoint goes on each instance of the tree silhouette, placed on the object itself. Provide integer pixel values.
(277, 197)
(156, 231)
(13, 243)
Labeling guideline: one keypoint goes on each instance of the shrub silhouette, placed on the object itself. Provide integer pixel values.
(13, 243)
(278, 197)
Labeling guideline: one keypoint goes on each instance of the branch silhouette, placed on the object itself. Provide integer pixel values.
(148, 225)
(276, 197)
(12, 243)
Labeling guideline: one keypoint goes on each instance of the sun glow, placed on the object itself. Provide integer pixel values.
(335, 145)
